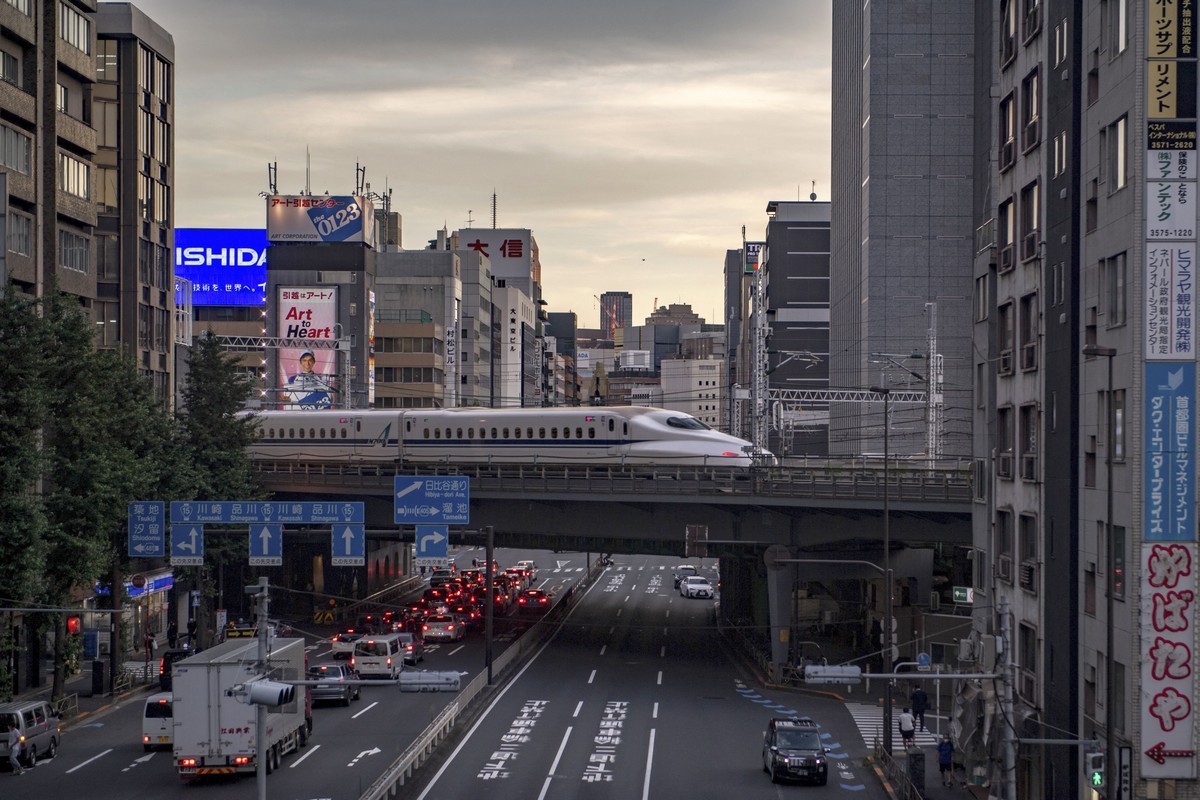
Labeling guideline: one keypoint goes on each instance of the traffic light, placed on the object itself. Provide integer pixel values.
(1094, 763)
(74, 625)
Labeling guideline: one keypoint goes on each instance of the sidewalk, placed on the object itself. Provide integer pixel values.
(78, 701)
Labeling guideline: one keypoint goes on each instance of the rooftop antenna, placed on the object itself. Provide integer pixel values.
(307, 170)
(813, 196)
(360, 179)
(470, 219)
(493, 209)
(272, 176)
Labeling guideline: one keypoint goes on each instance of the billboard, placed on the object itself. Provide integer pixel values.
(227, 266)
(320, 218)
(307, 377)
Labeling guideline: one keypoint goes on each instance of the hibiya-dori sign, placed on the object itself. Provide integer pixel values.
(307, 376)
(227, 266)
(320, 218)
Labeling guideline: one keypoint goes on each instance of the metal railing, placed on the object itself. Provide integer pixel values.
(896, 775)
(66, 706)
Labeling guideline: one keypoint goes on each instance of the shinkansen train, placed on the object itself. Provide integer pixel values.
(577, 435)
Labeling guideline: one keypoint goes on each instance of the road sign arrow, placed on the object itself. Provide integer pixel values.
(190, 546)
(265, 537)
(432, 538)
(412, 487)
(348, 539)
(1159, 753)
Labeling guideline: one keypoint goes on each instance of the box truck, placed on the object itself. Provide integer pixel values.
(216, 694)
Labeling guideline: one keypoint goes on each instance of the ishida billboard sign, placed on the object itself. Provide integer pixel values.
(227, 266)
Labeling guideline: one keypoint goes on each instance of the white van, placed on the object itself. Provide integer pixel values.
(378, 656)
(158, 721)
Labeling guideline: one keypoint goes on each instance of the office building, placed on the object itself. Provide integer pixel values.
(616, 311)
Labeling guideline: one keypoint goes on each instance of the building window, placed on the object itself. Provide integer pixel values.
(1004, 442)
(1114, 168)
(1029, 442)
(106, 60)
(1060, 154)
(108, 265)
(20, 234)
(1030, 221)
(20, 5)
(1114, 274)
(104, 117)
(1008, 31)
(1027, 648)
(74, 28)
(1031, 98)
(1006, 234)
(1029, 331)
(1119, 562)
(73, 251)
(1029, 538)
(61, 99)
(15, 148)
(1005, 329)
(1118, 400)
(1061, 43)
(1115, 19)
(1004, 542)
(143, 334)
(108, 329)
(161, 266)
(10, 69)
(1008, 132)
(74, 176)
(1032, 16)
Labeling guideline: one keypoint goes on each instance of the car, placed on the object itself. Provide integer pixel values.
(158, 724)
(529, 567)
(37, 724)
(685, 571)
(342, 643)
(696, 586)
(414, 646)
(443, 627)
(165, 661)
(519, 577)
(792, 750)
(533, 600)
(469, 613)
(334, 683)
(441, 575)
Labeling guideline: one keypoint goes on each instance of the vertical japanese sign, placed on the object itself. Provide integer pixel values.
(307, 377)
(370, 349)
(1170, 300)
(1170, 443)
(1168, 679)
(450, 351)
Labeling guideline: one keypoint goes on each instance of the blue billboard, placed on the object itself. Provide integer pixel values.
(1170, 444)
(227, 266)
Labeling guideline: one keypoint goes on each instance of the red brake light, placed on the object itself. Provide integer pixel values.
(240, 760)
(187, 762)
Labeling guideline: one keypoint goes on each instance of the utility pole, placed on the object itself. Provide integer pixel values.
(263, 608)
(1008, 737)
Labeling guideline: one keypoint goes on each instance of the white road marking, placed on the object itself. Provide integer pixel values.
(654, 713)
(365, 710)
(311, 750)
(662, 651)
(602, 649)
(592, 677)
(554, 767)
(578, 708)
(90, 760)
(649, 766)
(660, 677)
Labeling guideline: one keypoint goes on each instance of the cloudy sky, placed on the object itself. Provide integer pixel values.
(635, 138)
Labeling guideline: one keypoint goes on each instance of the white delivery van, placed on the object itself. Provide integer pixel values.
(158, 721)
(379, 656)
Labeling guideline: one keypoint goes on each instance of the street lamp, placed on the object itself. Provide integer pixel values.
(888, 618)
(1094, 350)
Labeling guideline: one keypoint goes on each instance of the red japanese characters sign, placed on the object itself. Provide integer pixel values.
(1168, 679)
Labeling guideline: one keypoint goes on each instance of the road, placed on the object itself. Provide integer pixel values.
(634, 698)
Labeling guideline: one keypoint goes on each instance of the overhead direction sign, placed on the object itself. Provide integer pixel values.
(187, 545)
(234, 512)
(147, 529)
(433, 545)
(349, 545)
(266, 545)
(432, 499)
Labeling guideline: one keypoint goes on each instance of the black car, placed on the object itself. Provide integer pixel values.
(792, 750)
(165, 661)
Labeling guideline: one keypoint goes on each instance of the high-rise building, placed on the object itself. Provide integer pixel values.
(616, 311)
(901, 217)
(132, 188)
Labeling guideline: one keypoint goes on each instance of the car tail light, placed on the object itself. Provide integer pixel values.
(187, 762)
(162, 666)
(389, 661)
(241, 761)
(351, 662)
(145, 739)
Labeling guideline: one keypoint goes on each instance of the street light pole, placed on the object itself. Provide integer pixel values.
(1110, 539)
(889, 615)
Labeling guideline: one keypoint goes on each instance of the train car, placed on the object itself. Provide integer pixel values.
(632, 435)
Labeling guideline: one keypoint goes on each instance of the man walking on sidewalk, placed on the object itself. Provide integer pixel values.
(14, 748)
(946, 760)
(920, 704)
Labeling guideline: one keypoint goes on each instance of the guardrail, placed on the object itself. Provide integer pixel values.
(66, 706)
(896, 774)
(425, 745)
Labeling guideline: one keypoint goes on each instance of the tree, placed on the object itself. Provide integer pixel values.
(22, 413)
(217, 437)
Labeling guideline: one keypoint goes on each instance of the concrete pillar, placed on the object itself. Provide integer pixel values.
(781, 581)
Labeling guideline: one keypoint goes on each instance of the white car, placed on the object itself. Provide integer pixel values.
(696, 586)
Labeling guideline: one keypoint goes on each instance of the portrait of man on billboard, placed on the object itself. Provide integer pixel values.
(307, 389)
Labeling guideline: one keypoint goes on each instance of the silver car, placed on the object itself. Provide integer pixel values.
(696, 586)
(444, 627)
(334, 683)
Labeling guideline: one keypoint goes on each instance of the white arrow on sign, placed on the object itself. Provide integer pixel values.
(411, 488)
(348, 539)
(265, 537)
(436, 537)
(418, 511)
(189, 546)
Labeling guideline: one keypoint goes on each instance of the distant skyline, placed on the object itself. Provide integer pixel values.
(635, 140)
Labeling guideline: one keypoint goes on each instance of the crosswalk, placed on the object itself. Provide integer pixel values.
(869, 721)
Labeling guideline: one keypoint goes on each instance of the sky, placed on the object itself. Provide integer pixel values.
(634, 138)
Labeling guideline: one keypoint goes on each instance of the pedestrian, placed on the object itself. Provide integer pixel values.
(945, 750)
(172, 634)
(14, 747)
(907, 726)
(920, 704)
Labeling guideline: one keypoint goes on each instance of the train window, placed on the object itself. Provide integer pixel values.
(270, 433)
(687, 423)
(408, 425)
(579, 433)
(541, 433)
(591, 432)
(529, 433)
(517, 431)
(459, 433)
(470, 433)
(322, 433)
(312, 433)
(566, 432)
(494, 433)
(610, 426)
(449, 433)
(625, 427)
(437, 433)
(554, 433)
(344, 433)
(302, 433)
(427, 433)
(483, 433)
(291, 433)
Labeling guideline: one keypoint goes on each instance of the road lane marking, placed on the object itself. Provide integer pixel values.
(649, 766)
(654, 713)
(578, 708)
(602, 649)
(553, 767)
(311, 750)
(592, 677)
(365, 710)
(90, 760)
(660, 677)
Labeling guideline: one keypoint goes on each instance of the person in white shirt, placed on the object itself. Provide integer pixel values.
(908, 727)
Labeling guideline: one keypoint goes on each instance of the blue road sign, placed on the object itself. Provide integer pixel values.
(187, 545)
(266, 545)
(433, 545)
(432, 499)
(235, 512)
(147, 529)
(349, 545)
